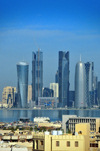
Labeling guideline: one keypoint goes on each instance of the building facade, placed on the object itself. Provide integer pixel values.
(89, 71)
(22, 89)
(95, 87)
(60, 142)
(48, 102)
(98, 93)
(29, 93)
(37, 75)
(54, 87)
(63, 78)
(70, 121)
(48, 92)
(8, 95)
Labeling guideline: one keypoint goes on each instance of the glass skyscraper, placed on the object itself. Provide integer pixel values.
(22, 75)
(95, 86)
(89, 71)
(84, 84)
(63, 78)
(37, 75)
(80, 85)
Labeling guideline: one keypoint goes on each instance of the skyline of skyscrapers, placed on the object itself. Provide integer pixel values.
(37, 75)
(22, 88)
(63, 71)
(84, 95)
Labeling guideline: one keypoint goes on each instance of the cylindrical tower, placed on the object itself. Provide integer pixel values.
(80, 85)
(22, 74)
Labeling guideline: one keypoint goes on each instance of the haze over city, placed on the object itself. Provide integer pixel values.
(52, 26)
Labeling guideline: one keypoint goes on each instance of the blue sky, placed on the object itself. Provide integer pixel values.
(52, 26)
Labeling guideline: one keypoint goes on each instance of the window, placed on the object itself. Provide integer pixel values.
(33, 144)
(41, 142)
(36, 144)
(76, 144)
(57, 143)
(68, 144)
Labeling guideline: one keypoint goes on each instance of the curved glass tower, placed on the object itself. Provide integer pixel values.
(22, 74)
(80, 85)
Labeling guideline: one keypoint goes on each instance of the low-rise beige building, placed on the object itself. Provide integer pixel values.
(79, 142)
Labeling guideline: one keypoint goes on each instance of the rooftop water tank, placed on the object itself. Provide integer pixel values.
(54, 132)
(46, 133)
(59, 132)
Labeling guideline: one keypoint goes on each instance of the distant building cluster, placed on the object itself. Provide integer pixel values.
(85, 95)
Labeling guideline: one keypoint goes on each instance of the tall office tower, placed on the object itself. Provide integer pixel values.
(37, 75)
(8, 95)
(63, 78)
(22, 75)
(95, 86)
(89, 70)
(29, 93)
(98, 93)
(80, 85)
(56, 77)
(54, 87)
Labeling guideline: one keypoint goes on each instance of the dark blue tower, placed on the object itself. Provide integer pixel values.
(63, 78)
(37, 75)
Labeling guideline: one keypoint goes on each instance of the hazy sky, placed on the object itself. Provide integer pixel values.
(52, 26)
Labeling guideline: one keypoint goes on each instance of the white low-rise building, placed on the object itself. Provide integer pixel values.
(41, 119)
